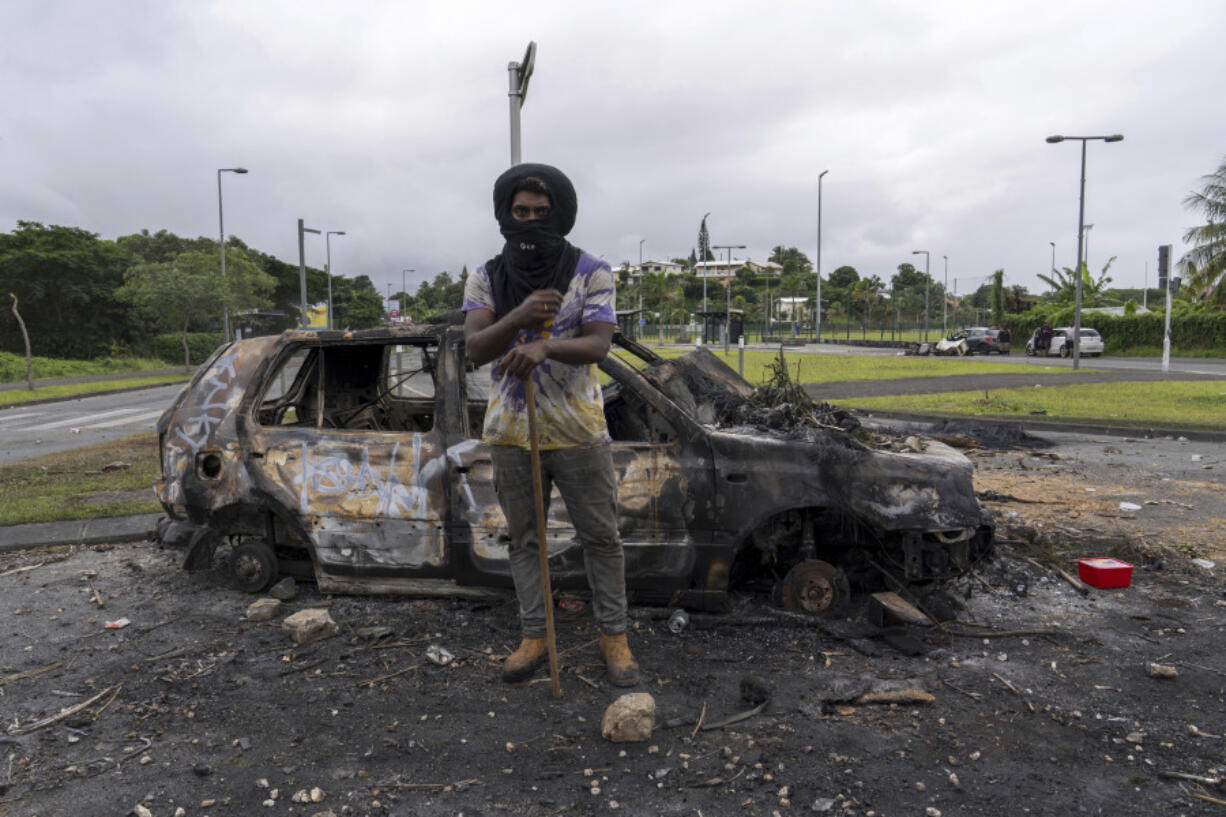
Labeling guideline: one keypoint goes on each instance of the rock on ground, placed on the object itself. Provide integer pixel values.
(263, 609)
(630, 718)
(306, 626)
(285, 590)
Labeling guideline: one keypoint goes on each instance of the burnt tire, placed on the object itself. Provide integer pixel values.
(252, 567)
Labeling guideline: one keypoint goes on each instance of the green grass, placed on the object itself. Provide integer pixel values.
(13, 367)
(1176, 404)
(9, 397)
(833, 368)
(72, 484)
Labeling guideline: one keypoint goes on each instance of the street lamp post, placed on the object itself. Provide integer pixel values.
(728, 248)
(927, 287)
(1053, 256)
(705, 270)
(303, 318)
(768, 302)
(519, 74)
(404, 293)
(328, 268)
(641, 323)
(945, 301)
(817, 312)
(1081, 219)
(221, 224)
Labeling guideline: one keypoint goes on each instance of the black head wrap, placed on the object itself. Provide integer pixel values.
(536, 254)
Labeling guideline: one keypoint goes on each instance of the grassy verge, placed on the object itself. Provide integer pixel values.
(10, 397)
(823, 368)
(1176, 404)
(72, 484)
(13, 367)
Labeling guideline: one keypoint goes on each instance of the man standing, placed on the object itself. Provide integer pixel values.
(543, 308)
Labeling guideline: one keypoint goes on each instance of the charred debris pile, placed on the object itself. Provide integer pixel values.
(781, 405)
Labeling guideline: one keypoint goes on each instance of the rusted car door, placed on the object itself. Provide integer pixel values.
(345, 439)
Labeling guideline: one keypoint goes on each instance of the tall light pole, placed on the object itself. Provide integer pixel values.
(927, 287)
(1081, 219)
(817, 314)
(1053, 255)
(328, 268)
(404, 293)
(221, 224)
(945, 300)
(728, 291)
(641, 240)
(303, 318)
(703, 252)
(519, 74)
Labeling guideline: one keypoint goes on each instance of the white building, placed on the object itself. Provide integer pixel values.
(790, 309)
(657, 267)
(726, 269)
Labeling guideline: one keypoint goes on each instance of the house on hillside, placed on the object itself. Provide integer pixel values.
(723, 270)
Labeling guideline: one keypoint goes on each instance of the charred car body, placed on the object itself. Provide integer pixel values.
(356, 458)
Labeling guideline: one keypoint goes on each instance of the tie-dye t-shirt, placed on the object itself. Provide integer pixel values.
(569, 406)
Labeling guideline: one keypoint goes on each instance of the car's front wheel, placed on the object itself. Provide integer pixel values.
(252, 566)
(1065, 351)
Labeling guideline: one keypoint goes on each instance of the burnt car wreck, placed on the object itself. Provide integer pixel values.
(355, 458)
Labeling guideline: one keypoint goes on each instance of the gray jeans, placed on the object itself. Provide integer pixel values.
(588, 485)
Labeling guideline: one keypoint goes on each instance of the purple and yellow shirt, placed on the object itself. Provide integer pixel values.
(569, 406)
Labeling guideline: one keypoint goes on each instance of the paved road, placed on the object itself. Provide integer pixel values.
(31, 431)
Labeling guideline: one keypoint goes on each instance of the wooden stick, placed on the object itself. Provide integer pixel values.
(370, 682)
(66, 713)
(1068, 577)
(1015, 691)
(542, 547)
(29, 673)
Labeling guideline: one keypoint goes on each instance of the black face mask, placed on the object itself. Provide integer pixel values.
(536, 254)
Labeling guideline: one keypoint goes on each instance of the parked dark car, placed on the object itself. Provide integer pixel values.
(356, 458)
(985, 341)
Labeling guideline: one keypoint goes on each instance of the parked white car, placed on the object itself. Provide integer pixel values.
(1062, 343)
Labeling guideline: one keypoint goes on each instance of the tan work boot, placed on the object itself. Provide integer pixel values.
(524, 662)
(622, 668)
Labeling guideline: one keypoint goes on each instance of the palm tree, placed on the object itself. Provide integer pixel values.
(1064, 282)
(1205, 263)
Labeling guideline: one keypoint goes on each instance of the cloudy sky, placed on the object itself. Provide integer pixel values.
(389, 120)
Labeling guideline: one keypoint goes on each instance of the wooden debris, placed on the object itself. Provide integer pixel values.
(896, 696)
(29, 673)
(1014, 690)
(67, 713)
(889, 607)
(1077, 584)
(1161, 671)
(370, 682)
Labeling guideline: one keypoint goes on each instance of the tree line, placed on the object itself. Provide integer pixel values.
(82, 296)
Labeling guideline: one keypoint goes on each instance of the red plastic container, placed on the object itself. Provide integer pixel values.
(1104, 572)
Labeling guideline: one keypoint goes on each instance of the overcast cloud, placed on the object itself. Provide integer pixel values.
(390, 121)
